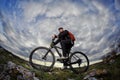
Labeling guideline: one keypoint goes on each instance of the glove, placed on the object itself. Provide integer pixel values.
(52, 45)
(54, 36)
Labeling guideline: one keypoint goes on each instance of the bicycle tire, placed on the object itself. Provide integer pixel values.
(79, 61)
(40, 66)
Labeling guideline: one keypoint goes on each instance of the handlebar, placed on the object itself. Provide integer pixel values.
(55, 45)
(53, 39)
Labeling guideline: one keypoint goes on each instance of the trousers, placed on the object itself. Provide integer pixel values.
(66, 47)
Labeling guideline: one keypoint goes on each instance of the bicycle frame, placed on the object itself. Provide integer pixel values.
(56, 48)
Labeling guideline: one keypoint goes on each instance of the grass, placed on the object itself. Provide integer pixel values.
(57, 74)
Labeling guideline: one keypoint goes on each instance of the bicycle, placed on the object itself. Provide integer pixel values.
(42, 58)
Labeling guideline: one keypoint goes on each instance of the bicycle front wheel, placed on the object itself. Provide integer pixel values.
(79, 62)
(39, 61)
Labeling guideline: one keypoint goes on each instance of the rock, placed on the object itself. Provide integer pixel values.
(93, 73)
(86, 77)
(11, 65)
(111, 61)
(35, 78)
(101, 72)
(110, 57)
(20, 77)
(71, 79)
(7, 77)
(92, 78)
(27, 75)
(20, 68)
(17, 71)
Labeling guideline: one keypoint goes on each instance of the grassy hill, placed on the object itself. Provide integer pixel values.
(113, 69)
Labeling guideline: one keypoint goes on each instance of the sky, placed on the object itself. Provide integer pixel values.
(27, 24)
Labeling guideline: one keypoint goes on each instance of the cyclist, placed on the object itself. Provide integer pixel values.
(66, 43)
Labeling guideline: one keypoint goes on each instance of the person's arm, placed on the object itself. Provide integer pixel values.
(60, 36)
(54, 36)
(57, 41)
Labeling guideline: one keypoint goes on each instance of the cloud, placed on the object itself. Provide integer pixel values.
(117, 4)
(33, 9)
(90, 21)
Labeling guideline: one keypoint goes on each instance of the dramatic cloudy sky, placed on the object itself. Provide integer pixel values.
(26, 24)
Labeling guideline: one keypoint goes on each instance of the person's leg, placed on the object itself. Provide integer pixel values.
(63, 45)
(64, 52)
(66, 47)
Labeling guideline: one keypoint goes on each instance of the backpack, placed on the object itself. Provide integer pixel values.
(72, 37)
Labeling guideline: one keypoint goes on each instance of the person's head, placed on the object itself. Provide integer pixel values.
(60, 29)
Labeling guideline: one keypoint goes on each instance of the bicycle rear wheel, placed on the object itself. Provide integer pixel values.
(79, 62)
(38, 62)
